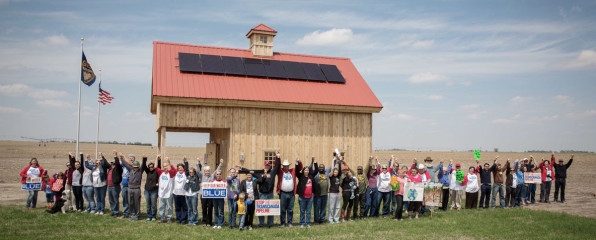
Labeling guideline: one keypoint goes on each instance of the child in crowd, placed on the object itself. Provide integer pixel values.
(57, 184)
(242, 205)
(47, 188)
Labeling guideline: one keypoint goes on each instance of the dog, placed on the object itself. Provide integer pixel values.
(68, 197)
(57, 206)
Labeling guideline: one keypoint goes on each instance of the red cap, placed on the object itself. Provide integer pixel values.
(344, 168)
(457, 165)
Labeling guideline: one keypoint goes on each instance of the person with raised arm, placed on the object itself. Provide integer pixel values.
(360, 193)
(305, 189)
(87, 183)
(383, 185)
(560, 178)
(233, 191)
(135, 178)
(266, 183)
(207, 203)
(485, 187)
(180, 193)
(218, 203)
(511, 183)
(455, 187)
(77, 182)
(334, 196)
(498, 187)
(547, 176)
(165, 187)
(114, 188)
(192, 187)
(521, 188)
(372, 194)
(348, 184)
(249, 187)
(443, 178)
(321, 196)
(99, 175)
(471, 183)
(151, 189)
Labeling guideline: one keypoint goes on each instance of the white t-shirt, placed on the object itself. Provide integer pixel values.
(166, 183)
(179, 181)
(287, 183)
(384, 180)
(33, 172)
(249, 189)
(472, 185)
(96, 180)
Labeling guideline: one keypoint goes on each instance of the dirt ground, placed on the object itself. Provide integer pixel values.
(14, 155)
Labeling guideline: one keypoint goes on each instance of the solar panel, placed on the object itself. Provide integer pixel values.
(254, 67)
(233, 65)
(332, 73)
(313, 72)
(189, 62)
(211, 64)
(275, 69)
(295, 70)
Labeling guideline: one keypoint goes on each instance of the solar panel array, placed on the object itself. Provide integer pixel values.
(261, 68)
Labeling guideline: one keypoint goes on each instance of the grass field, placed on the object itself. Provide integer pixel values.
(18, 223)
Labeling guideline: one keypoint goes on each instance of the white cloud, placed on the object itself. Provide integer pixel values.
(518, 100)
(423, 44)
(476, 115)
(434, 97)
(53, 40)
(470, 107)
(53, 103)
(426, 77)
(511, 120)
(9, 110)
(587, 113)
(19, 89)
(327, 38)
(586, 58)
(562, 99)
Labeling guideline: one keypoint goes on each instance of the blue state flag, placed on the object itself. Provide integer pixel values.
(87, 75)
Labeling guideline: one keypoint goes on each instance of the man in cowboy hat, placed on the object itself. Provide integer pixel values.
(286, 188)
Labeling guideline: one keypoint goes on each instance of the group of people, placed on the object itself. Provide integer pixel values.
(346, 194)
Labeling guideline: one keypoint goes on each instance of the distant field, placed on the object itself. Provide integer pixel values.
(14, 155)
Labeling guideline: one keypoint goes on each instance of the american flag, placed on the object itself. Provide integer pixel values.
(104, 96)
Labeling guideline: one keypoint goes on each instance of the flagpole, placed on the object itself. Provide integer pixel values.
(98, 107)
(79, 108)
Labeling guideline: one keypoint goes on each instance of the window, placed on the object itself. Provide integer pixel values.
(263, 39)
(270, 156)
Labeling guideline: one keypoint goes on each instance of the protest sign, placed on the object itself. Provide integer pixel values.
(532, 178)
(459, 176)
(413, 192)
(432, 194)
(32, 184)
(477, 154)
(214, 190)
(267, 207)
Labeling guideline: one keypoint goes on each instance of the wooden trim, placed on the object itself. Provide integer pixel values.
(259, 104)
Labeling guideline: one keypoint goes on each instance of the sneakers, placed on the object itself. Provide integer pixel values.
(148, 220)
(97, 213)
(100, 213)
(152, 219)
(290, 225)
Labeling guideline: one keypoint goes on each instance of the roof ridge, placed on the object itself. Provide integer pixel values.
(248, 50)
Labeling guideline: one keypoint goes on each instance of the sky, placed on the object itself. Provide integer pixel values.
(451, 75)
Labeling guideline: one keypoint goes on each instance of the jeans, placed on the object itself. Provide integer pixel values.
(444, 198)
(560, 184)
(520, 193)
(500, 189)
(334, 200)
(207, 210)
(151, 200)
(545, 191)
(90, 198)
(531, 193)
(393, 202)
(510, 196)
(287, 207)
(134, 198)
(262, 218)
(163, 204)
(399, 200)
(320, 208)
(100, 197)
(371, 206)
(484, 195)
(125, 210)
(32, 199)
(192, 203)
(218, 211)
(78, 196)
(305, 206)
(114, 198)
(50, 197)
(241, 217)
(181, 208)
(386, 197)
(232, 212)
(250, 214)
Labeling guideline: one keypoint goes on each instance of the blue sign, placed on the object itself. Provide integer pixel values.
(31, 186)
(214, 190)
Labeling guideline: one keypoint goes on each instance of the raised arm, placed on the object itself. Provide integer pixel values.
(569, 163)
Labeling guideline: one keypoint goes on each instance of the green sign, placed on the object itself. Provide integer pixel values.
(459, 176)
(477, 154)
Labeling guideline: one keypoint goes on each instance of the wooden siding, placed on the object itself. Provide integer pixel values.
(296, 133)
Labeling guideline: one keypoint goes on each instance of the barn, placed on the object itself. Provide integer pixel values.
(256, 101)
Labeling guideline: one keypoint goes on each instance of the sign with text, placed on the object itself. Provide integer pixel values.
(32, 184)
(268, 207)
(214, 190)
(459, 176)
(533, 178)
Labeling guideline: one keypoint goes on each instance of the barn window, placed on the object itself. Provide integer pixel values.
(263, 39)
(270, 156)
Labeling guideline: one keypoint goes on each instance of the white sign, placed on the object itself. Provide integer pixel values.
(267, 207)
(413, 192)
(532, 178)
(214, 190)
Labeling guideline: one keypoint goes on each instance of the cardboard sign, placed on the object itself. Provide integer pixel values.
(532, 178)
(267, 207)
(32, 184)
(477, 154)
(413, 192)
(433, 194)
(214, 190)
(459, 176)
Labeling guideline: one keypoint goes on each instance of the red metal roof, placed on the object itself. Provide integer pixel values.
(168, 81)
(264, 28)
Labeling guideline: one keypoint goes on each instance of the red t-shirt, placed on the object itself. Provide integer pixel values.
(308, 189)
(110, 183)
